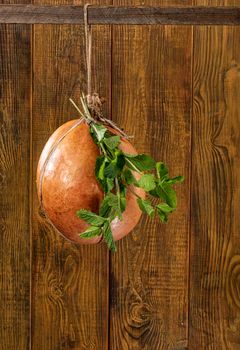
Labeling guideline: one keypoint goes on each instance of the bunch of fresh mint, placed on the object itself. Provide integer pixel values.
(114, 171)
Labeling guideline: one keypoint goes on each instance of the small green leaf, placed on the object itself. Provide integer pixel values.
(108, 237)
(120, 159)
(91, 231)
(110, 184)
(167, 193)
(109, 202)
(112, 200)
(111, 170)
(146, 206)
(98, 130)
(163, 216)
(90, 218)
(105, 208)
(123, 202)
(147, 182)
(116, 165)
(128, 177)
(155, 192)
(122, 187)
(112, 142)
(100, 167)
(140, 162)
(175, 180)
(162, 170)
(163, 209)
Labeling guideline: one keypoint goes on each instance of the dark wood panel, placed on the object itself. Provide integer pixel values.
(70, 282)
(149, 273)
(215, 247)
(15, 115)
(120, 15)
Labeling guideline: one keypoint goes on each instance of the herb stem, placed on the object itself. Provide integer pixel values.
(118, 195)
(133, 166)
(103, 149)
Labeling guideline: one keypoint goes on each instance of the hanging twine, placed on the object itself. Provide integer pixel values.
(88, 45)
(94, 102)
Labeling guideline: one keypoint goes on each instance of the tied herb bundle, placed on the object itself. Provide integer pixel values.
(114, 171)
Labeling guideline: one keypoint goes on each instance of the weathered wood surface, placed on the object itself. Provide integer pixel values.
(149, 273)
(151, 303)
(70, 283)
(215, 245)
(119, 15)
(15, 188)
(215, 248)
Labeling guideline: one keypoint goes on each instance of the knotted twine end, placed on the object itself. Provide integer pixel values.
(94, 103)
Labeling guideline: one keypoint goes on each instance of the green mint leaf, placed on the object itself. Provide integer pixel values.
(163, 210)
(98, 131)
(112, 200)
(162, 170)
(175, 180)
(91, 231)
(104, 185)
(111, 170)
(108, 237)
(114, 204)
(122, 187)
(90, 218)
(105, 208)
(128, 177)
(112, 142)
(140, 162)
(115, 167)
(147, 182)
(167, 194)
(100, 167)
(146, 206)
(162, 215)
(120, 159)
(109, 202)
(164, 207)
(110, 184)
(155, 192)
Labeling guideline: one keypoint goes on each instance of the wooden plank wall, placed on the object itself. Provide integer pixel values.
(215, 240)
(175, 286)
(15, 185)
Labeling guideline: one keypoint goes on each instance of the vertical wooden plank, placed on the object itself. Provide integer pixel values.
(215, 259)
(152, 100)
(215, 248)
(70, 283)
(15, 114)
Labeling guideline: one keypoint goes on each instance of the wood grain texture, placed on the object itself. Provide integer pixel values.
(149, 273)
(214, 3)
(119, 15)
(15, 92)
(215, 248)
(70, 282)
